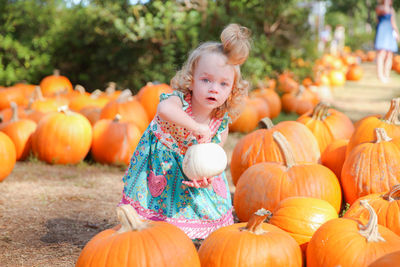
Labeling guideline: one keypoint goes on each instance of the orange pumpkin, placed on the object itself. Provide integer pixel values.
(55, 83)
(346, 242)
(11, 94)
(391, 259)
(91, 113)
(354, 73)
(139, 243)
(327, 125)
(113, 141)
(337, 78)
(271, 97)
(287, 84)
(20, 131)
(265, 184)
(149, 97)
(365, 128)
(129, 108)
(299, 101)
(247, 120)
(7, 155)
(386, 206)
(261, 106)
(251, 244)
(371, 167)
(302, 216)
(334, 156)
(45, 104)
(260, 146)
(62, 137)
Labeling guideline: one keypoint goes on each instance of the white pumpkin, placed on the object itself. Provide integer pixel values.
(204, 160)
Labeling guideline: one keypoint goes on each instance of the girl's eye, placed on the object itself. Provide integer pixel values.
(205, 80)
(224, 84)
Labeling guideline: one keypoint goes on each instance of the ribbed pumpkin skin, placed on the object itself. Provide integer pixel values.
(302, 216)
(334, 156)
(20, 133)
(149, 97)
(7, 155)
(162, 244)
(272, 98)
(299, 102)
(228, 246)
(370, 168)
(62, 139)
(114, 142)
(130, 110)
(55, 83)
(265, 184)
(247, 120)
(335, 125)
(339, 243)
(259, 146)
(388, 212)
(388, 260)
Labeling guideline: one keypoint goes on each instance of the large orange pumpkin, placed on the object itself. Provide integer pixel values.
(271, 97)
(129, 108)
(139, 243)
(299, 101)
(247, 120)
(371, 167)
(327, 125)
(334, 156)
(113, 141)
(260, 146)
(265, 184)
(7, 155)
(11, 94)
(252, 244)
(20, 131)
(386, 206)
(62, 137)
(149, 97)
(302, 216)
(346, 242)
(55, 83)
(365, 128)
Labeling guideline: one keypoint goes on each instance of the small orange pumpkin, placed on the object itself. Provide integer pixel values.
(8, 156)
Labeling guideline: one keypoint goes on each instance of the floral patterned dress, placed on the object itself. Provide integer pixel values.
(153, 181)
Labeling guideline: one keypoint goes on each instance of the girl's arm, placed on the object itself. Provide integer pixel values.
(171, 110)
(394, 25)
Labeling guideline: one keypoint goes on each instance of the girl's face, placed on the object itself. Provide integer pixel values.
(212, 81)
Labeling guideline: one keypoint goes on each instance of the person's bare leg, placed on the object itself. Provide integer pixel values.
(387, 66)
(380, 57)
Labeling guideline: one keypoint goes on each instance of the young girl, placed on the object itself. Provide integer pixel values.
(207, 91)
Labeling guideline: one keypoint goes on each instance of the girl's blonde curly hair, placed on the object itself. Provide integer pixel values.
(236, 47)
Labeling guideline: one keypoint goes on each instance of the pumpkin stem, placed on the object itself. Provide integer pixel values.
(80, 89)
(56, 72)
(265, 123)
(300, 91)
(254, 224)
(111, 88)
(381, 135)
(37, 93)
(64, 109)
(129, 219)
(96, 94)
(285, 148)
(14, 108)
(370, 230)
(320, 111)
(392, 116)
(393, 194)
(125, 96)
(117, 118)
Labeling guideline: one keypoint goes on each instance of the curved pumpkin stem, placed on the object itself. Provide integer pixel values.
(56, 72)
(393, 194)
(265, 123)
(96, 94)
(117, 117)
(125, 96)
(285, 148)
(37, 93)
(370, 230)
(80, 89)
(254, 224)
(129, 219)
(14, 108)
(320, 111)
(112, 86)
(392, 116)
(381, 135)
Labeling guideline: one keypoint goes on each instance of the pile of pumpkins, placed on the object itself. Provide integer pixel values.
(293, 96)
(289, 182)
(60, 124)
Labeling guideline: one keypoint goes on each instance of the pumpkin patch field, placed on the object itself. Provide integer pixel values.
(293, 178)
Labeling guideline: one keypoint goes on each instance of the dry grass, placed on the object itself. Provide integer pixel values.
(49, 212)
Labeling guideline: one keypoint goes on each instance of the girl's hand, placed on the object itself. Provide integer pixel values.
(203, 182)
(203, 132)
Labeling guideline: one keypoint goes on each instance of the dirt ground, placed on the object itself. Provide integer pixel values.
(49, 212)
